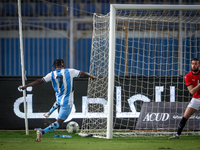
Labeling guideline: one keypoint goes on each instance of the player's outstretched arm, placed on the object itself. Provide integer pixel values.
(88, 75)
(36, 82)
(192, 89)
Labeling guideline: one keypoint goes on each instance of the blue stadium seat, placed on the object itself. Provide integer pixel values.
(84, 26)
(159, 26)
(174, 12)
(81, 26)
(143, 26)
(9, 26)
(57, 9)
(26, 9)
(89, 8)
(76, 8)
(51, 26)
(124, 12)
(190, 26)
(141, 12)
(56, 26)
(15, 27)
(9, 10)
(4, 26)
(173, 26)
(157, 12)
(190, 12)
(41, 9)
(62, 26)
(34, 26)
(105, 8)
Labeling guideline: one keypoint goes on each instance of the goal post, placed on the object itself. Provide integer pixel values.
(113, 8)
(22, 65)
(140, 54)
(111, 75)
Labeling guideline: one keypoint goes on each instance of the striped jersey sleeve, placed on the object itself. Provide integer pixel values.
(74, 73)
(47, 78)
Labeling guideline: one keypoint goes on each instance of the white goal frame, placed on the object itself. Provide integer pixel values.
(111, 76)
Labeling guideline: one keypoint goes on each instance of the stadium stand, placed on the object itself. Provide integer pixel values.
(81, 26)
(76, 8)
(51, 26)
(105, 8)
(89, 8)
(173, 26)
(56, 26)
(26, 9)
(62, 26)
(57, 10)
(159, 26)
(41, 9)
(157, 12)
(9, 9)
(50, 15)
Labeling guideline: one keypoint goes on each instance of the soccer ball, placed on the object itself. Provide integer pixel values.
(72, 127)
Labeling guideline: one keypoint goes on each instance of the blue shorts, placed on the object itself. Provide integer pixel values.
(64, 112)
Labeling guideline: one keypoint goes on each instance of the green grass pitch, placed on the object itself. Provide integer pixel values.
(17, 140)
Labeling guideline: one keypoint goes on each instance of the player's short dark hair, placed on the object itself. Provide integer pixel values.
(196, 59)
(58, 62)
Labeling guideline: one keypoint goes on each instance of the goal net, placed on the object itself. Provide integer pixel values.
(140, 54)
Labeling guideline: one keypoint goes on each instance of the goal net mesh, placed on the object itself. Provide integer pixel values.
(154, 49)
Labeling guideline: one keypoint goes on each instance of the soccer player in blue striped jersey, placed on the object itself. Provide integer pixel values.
(62, 81)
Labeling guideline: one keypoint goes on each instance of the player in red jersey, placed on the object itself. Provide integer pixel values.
(192, 80)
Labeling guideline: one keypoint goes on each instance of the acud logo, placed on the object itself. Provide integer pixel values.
(156, 117)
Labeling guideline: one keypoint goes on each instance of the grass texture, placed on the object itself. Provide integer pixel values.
(18, 140)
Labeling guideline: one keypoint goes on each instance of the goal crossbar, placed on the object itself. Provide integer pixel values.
(154, 7)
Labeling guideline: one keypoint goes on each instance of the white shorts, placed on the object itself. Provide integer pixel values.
(194, 103)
